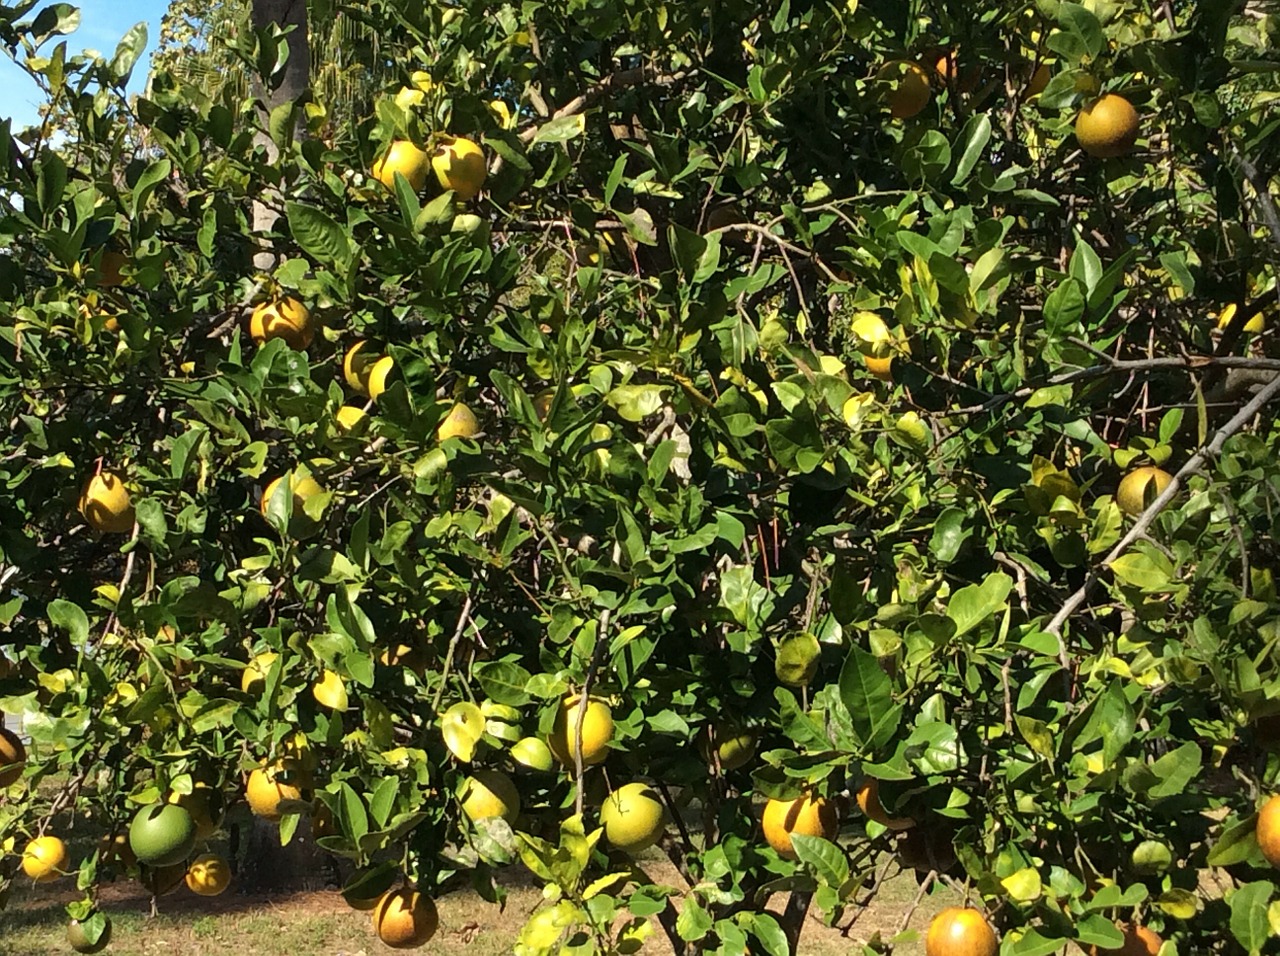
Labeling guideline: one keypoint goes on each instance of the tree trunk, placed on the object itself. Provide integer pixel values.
(290, 85)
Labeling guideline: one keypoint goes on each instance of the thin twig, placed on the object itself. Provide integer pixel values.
(453, 646)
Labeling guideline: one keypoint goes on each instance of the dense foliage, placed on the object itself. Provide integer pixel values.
(802, 415)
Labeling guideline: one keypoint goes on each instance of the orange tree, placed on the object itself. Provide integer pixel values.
(766, 374)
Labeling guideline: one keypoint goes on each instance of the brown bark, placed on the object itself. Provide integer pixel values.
(287, 86)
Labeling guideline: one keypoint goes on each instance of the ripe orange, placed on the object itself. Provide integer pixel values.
(13, 758)
(633, 817)
(807, 816)
(45, 859)
(597, 731)
(868, 797)
(1107, 127)
(909, 91)
(405, 919)
(960, 931)
(286, 319)
(1268, 830)
(208, 875)
(459, 165)
(1131, 496)
(406, 159)
(269, 786)
(881, 368)
(1138, 941)
(105, 504)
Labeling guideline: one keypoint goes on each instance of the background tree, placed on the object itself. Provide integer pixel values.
(846, 394)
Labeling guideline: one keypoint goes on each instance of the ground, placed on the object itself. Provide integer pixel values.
(319, 923)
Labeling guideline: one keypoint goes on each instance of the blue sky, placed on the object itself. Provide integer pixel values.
(102, 24)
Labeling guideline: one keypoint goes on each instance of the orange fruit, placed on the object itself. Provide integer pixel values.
(405, 919)
(960, 931)
(1131, 496)
(286, 319)
(406, 159)
(1268, 830)
(881, 368)
(208, 875)
(45, 858)
(105, 504)
(1138, 941)
(909, 91)
(269, 786)
(868, 797)
(807, 816)
(459, 165)
(1107, 127)
(597, 731)
(13, 758)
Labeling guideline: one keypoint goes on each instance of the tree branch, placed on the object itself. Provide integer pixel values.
(1145, 519)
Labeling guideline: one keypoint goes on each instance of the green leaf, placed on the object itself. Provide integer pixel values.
(71, 618)
(867, 694)
(766, 928)
(318, 234)
(351, 813)
(561, 130)
(1250, 924)
(1141, 571)
(827, 860)
(972, 605)
(975, 136)
(949, 533)
(128, 50)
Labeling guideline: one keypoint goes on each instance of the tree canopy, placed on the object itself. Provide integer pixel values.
(862, 403)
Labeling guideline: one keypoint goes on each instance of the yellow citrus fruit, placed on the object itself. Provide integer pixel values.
(379, 376)
(868, 798)
(1131, 496)
(350, 418)
(1256, 323)
(105, 504)
(597, 732)
(490, 793)
(807, 816)
(1107, 127)
(406, 159)
(269, 786)
(459, 423)
(405, 919)
(949, 72)
(1138, 941)
(871, 335)
(733, 746)
(13, 758)
(356, 364)
(960, 931)
(45, 858)
(633, 817)
(909, 91)
(330, 691)
(202, 803)
(303, 488)
(881, 368)
(459, 165)
(286, 319)
(1268, 830)
(78, 937)
(208, 874)
(253, 678)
